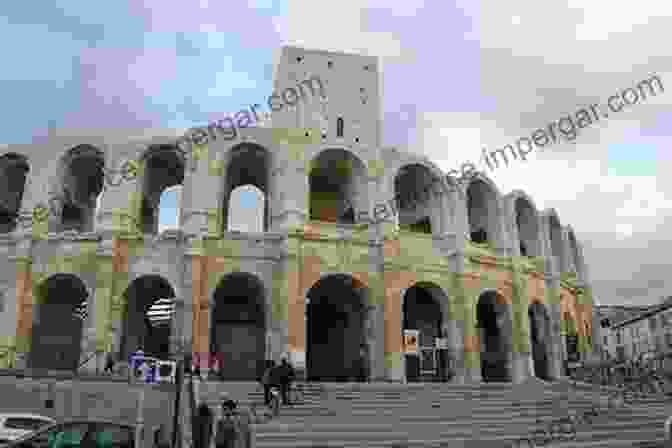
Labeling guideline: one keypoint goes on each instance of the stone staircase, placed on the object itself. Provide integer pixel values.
(438, 414)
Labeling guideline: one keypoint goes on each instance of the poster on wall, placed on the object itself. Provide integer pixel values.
(411, 341)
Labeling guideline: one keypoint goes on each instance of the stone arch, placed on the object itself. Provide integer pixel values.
(14, 169)
(336, 316)
(147, 297)
(484, 214)
(338, 186)
(555, 238)
(163, 167)
(424, 307)
(418, 194)
(540, 339)
(526, 220)
(58, 322)
(238, 325)
(247, 163)
(242, 209)
(81, 180)
(495, 323)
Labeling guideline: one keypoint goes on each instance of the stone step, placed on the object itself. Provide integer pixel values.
(479, 439)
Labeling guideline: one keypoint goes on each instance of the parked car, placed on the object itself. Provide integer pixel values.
(79, 434)
(14, 425)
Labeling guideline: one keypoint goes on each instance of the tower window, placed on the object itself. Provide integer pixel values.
(330, 64)
(299, 58)
(339, 127)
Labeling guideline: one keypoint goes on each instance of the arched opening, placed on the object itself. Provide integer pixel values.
(482, 212)
(338, 187)
(422, 311)
(82, 180)
(163, 169)
(336, 315)
(528, 228)
(418, 204)
(238, 326)
(339, 127)
(493, 315)
(14, 169)
(249, 165)
(575, 257)
(170, 206)
(148, 312)
(246, 209)
(58, 323)
(540, 339)
(556, 240)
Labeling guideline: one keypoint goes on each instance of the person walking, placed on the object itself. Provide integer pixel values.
(228, 431)
(363, 364)
(266, 380)
(161, 438)
(109, 363)
(286, 376)
(202, 427)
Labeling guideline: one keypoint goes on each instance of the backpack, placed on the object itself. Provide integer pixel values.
(226, 433)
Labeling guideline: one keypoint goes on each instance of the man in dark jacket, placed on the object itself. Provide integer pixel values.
(266, 381)
(286, 376)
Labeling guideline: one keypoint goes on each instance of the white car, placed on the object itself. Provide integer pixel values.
(14, 426)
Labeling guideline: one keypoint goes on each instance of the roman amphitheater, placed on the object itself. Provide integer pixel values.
(496, 289)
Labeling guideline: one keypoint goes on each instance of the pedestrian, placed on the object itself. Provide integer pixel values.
(202, 426)
(227, 428)
(286, 376)
(266, 381)
(109, 363)
(161, 438)
(363, 361)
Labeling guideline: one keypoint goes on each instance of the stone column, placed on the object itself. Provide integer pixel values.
(556, 350)
(291, 207)
(24, 302)
(202, 199)
(375, 321)
(394, 356)
(522, 362)
(291, 307)
(473, 341)
(277, 322)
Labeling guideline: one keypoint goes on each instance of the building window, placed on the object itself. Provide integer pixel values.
(606, 341)
(339, 127)
(668, 339)
(619, 337)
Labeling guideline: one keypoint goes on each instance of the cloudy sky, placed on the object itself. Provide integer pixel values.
(458, 75)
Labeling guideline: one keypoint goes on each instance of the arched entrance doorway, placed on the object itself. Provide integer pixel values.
(148, 316)
(422, 312)
(493, 315)
(540, 338)
(238, 329)
(58, 323)
(336, 315)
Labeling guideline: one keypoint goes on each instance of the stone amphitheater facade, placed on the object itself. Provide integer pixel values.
(317, 284)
